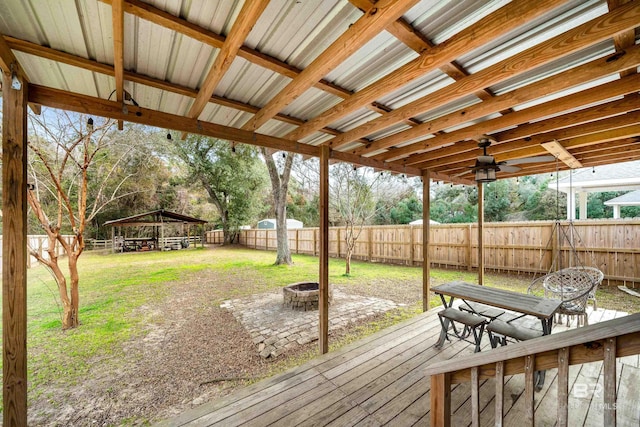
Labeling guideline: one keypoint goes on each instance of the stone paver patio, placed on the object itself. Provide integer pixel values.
(275, 328)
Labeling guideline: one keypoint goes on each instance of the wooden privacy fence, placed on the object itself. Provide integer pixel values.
(520, 247)
(40, 243)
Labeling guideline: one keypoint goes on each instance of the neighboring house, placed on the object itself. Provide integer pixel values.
(614, 177)
(419, 222)
(270, 224)
(629, 199)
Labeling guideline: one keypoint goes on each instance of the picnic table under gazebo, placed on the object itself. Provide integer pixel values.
(157, 219)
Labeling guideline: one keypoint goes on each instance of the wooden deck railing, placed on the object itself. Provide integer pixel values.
(604, 341)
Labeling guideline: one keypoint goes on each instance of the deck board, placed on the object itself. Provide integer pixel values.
(380, 381)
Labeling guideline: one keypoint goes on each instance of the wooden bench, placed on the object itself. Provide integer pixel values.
(471, 322)
(506, 330)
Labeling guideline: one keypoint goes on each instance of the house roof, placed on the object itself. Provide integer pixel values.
(155, 217)
(631, 198)
(405, 86)
(618, 177)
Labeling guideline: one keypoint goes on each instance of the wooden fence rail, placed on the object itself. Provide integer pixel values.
(519, 247)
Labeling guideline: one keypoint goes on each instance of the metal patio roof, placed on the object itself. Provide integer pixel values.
(155, 217)
(405, 85)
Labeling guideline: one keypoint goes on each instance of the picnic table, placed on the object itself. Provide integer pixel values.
(525, 304)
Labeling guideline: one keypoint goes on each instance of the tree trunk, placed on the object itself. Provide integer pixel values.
(280, 188)
(70, 313)
(284, 254)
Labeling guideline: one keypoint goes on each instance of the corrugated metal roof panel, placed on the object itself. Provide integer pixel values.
(544, 28)
(377, 58)
(354, 119)
(310, 104)
(417, 89)
(442, 19)
(296, 32)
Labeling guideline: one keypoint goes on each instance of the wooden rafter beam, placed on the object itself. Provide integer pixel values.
(597, 30)
(620, 87)
(98, 67)
(370, 24)
(100, 107)
(500, 22)
(404, 32)
(594, 119)
(556, 149)
(625, 39)
(7, 58)
(246, 19)
(160, 17)
(590, 71)
(117, 21)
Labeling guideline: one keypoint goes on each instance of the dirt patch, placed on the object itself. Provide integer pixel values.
(190, 352)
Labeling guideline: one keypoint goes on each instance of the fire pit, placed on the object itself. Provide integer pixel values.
(303, 296)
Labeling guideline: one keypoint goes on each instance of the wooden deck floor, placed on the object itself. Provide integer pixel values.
(379, 381)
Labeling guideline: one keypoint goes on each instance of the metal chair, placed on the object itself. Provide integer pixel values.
(573, 286)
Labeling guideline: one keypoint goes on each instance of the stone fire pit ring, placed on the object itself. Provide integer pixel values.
(303, 296)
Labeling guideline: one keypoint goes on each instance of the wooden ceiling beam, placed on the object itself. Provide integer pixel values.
(404, 32)
(6, 59)
(84, 104)
(359, 33)
(531, 146)
(246, 19)
(590, 71)
(164, 19)
(98, 67)
(117, 24)
(601, 93)
(518, 152)
(625, 39)
(500, 22)
(598, 29)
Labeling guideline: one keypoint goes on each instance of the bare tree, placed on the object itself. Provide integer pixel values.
(352, 202)
(66, 154)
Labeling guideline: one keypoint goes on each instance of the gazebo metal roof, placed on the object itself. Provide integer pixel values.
(155, 218)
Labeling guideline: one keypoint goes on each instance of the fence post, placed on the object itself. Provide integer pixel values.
(297, 238)
(315, 242)
(370, 248)
(469, 249)
(338, 242)
(411, 249)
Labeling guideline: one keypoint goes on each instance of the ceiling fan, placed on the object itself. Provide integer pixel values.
(486, 166)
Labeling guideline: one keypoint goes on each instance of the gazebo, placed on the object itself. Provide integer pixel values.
(157, 219)
(403, 86)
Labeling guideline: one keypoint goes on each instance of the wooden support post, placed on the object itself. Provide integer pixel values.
(426, 231)
(14, 249)
(480, 233)
(323, 308)
(338, 242)
(113, 239)
(440, 412)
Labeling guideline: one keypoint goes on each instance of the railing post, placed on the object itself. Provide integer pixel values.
(529, 390)
(475, 397)
(441, 400)
(609, 370)
(499, 393)
(563, 387)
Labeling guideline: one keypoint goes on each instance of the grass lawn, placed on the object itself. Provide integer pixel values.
(119, 291)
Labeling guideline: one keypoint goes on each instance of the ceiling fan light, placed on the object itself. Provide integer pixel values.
(485, 174)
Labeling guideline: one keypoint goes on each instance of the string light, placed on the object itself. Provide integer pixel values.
(90, 123)
(169, 136)
(594, 170)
